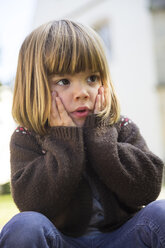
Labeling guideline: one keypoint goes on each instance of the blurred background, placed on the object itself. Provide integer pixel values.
(134, 36)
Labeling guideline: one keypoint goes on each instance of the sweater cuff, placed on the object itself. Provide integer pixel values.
(94, 120)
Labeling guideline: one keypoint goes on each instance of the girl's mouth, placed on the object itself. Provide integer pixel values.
(81, 112)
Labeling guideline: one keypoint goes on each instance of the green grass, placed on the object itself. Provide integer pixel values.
(7, 209)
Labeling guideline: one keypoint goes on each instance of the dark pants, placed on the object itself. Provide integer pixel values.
(32, 230)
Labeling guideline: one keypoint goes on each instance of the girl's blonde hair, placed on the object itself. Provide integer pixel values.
(57, 47)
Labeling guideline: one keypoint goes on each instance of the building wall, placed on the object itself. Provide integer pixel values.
(161, 92)
(127, 28)
(158, 20)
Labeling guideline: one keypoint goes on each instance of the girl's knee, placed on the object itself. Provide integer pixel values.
(26, 228)
(156, 206)
(27, 220)
(155, 210)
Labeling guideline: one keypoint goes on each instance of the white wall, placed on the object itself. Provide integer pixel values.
(132, 62)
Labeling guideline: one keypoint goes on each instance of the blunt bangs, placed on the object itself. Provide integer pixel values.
(71, 49)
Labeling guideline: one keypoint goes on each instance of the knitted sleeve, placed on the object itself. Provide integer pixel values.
(45, 171)
(123, 162)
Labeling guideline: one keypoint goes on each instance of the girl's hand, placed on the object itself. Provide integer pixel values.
(58, 114)
(100, 100)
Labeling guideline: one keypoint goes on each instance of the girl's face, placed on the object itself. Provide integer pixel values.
(78, 93)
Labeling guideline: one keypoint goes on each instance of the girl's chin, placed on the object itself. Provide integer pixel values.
(79, 123)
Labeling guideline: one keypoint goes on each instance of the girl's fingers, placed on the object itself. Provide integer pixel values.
(61, 110)
(97, 104)
(54, 115)
(102, 98)
(64, 117)
(54, 107)
(58, 113)
(100, 101)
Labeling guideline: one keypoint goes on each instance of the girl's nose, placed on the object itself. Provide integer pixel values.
(80, 93)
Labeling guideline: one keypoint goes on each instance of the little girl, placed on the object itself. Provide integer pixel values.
(81, 174)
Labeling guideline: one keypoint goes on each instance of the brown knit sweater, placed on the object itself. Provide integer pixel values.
(47, 173)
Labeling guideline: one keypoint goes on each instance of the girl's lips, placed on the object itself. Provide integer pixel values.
(81, 112)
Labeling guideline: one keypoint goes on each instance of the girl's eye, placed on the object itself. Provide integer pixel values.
(93, 79)
(63, 82)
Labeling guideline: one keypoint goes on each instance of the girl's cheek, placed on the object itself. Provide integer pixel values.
(58, 91)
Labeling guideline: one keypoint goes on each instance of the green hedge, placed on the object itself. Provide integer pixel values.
(5, 188)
